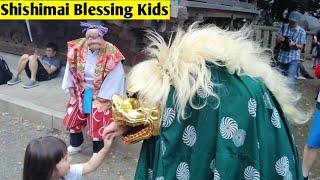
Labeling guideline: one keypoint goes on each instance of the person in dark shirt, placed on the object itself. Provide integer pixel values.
(37, 67)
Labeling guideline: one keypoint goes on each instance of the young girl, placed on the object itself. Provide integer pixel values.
(46, 158)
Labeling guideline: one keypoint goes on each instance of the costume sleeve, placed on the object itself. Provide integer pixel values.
(67, 78)
(114, 83)
(115, 56)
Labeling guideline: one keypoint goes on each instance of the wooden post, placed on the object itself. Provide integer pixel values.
(273, 39)
(251, 35)
(258, 35)
(307, 50)
(255, 2)
(266, 38)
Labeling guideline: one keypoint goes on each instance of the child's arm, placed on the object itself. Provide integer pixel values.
(97, 160)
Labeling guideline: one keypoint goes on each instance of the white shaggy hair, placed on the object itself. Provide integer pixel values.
(182, 64)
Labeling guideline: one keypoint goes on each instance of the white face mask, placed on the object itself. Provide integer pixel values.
(94, 39)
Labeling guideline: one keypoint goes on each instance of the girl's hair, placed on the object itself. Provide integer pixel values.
(182, 64)
(41, 157)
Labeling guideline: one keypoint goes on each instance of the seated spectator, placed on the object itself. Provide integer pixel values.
(37, 67)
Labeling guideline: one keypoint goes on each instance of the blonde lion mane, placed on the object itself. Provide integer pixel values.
(182, 64)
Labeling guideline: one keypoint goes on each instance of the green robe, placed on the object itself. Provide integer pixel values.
(246, 137)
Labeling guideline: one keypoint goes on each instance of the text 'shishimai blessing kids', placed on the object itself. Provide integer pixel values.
(93, 74)
(209, 106)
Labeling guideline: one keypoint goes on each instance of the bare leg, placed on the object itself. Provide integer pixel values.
(33, 65)
(24, 59)
(309, 156)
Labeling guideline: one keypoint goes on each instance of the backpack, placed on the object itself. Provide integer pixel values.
(5, 73)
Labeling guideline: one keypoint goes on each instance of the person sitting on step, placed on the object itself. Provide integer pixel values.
(37, 67)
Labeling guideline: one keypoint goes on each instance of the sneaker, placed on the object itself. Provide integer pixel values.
(30, 84)
(73, 150)
(14, 80)
(301, 77)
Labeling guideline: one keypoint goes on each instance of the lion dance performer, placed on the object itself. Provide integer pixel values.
(210, 107)
(93, 74)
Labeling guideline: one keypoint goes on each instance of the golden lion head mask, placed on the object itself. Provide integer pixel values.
(143, 121)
